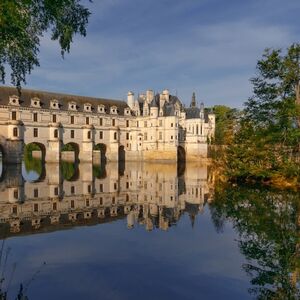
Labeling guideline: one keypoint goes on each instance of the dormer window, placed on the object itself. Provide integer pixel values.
(87, 107)
(54, 104)
(14, 100)
(35, 102)
(101, 108)
(72, 106)
(114, 110)
(127, 111)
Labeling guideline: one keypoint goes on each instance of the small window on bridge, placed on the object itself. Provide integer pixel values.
(14, 115)
(35, 132)
(15, 132)
(35, 117)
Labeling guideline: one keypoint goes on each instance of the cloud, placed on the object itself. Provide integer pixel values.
(216, 59)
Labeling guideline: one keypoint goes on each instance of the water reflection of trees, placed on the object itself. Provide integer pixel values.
(268, 226)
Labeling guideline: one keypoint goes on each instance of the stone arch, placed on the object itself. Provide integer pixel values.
(35, 150)
(102, 148)
(70, 152)
(2, 153)
(121, 159)
(33, 169)
(99, 171)
(70, 171)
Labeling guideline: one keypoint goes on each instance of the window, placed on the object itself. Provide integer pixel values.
(101, 187)
(101, 121)
(127, 123)
(35, 193)
(72, 189)
(14, 115)
(72, 134)
(56, 191)
(127, 135)
(54, 206)
(101, 135)
(15, 132)
(35, 132)
(197, 129)
(171, 124)
(35, 207)
(87, 120)
(87, 203)
(113, 122)
(72, 119)
(54, 118)
(160, 135)
(16, 194)
(171, 137)
(115, 186)
(72, 203)
(89, 135)
(101, 201)
(113, 200)
(35, 117)
(115, 135)
(15, 210)
(55, 133)
(89, 188)
(145, 136)
(160, 123)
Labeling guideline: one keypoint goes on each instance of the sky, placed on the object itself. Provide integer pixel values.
(209, 47)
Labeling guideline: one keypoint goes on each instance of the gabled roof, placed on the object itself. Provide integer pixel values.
(63, 99)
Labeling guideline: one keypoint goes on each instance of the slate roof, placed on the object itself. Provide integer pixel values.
(64, 99)
(194, 113)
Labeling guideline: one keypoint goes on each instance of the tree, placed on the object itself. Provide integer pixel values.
(266, 222)
(23, 23)
(267, 143)
(226, 122)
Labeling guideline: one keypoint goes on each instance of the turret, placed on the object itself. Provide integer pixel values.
(166, 94)
(202, 110)
(149, 96)
(130, 99)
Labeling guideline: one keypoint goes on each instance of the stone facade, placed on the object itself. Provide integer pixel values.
(151, 127)
(145, 193)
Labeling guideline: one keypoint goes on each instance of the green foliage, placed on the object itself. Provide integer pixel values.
(226, 122)
(68, 147)
(31, 163)
(23, 23)
(267, 143)
(68, 170)
(267, 224)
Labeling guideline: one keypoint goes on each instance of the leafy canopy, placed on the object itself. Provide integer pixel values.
(23, 23)
(267, 143)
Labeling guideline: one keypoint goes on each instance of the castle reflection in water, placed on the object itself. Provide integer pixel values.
(53, 197)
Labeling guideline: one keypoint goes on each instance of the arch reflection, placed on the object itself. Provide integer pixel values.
(71, 194)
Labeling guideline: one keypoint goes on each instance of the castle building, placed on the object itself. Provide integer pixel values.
(150, 127)
(146, 194)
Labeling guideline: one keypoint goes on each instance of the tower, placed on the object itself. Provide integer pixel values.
(193, 102)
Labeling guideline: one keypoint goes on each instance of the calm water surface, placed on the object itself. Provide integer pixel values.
(144, 231)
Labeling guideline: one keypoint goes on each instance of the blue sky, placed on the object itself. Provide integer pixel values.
(207, 46)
